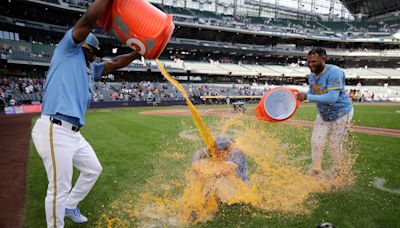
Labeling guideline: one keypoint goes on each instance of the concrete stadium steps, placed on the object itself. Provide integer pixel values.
(363, 73)
(168, 64)
(389, 72)
(21, 57)
(263, 71)
(285, 71)
(137, 65)
(304, 70)
(205, 68)
(297, 87)
(171, 64)
(390, 90)
(236, 69)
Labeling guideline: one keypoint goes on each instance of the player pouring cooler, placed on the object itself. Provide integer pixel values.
(335, 111)
(67, 95)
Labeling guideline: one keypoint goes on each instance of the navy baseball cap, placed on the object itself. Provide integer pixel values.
(92, 43)
(223, 142)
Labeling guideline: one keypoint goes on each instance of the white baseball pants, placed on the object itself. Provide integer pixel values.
(337, 131)
(61, 149)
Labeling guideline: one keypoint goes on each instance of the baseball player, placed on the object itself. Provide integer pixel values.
(225, 149)
(67, 96)
(335, 111)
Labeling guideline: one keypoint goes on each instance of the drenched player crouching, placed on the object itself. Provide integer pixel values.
(213, 181)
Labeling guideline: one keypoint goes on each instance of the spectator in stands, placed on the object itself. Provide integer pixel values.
(12, 101)
(94, 97)
(67, 94)
(335, 111)
(114, 96)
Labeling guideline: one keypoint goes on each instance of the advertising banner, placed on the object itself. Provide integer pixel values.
(19, 109)
(32, 108)
(9, 110)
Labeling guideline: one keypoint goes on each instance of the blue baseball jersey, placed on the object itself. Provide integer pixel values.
(69, 83)
(236, 156)
(332, 78)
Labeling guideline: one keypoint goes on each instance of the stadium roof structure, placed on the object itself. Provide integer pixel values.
(325, 9)
(371, 8)
(281, 7)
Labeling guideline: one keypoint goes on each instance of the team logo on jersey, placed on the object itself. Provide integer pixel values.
(318, 90)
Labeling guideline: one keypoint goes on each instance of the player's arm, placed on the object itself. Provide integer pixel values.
(119, 61)
(330, 97)
(335, 83)
(88, 21)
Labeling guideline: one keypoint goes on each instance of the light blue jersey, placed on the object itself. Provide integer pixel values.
(332, 78)
(69, 82)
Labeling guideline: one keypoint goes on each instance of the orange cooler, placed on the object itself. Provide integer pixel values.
(138, 24)
(278, 104)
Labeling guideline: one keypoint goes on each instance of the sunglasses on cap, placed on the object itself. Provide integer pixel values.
(92, 49)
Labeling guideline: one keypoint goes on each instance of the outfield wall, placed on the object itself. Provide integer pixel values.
(114, 104)
(20, 109)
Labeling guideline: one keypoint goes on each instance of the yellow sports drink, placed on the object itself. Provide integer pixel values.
(201, 126)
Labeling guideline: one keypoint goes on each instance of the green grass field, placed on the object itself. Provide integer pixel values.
(364, 115)
(129, 147)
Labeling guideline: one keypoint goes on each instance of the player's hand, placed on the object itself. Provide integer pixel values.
(226, 169)
(301, 96)
(136, 54)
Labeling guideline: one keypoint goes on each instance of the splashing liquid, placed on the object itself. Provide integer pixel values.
(191, 193)
(188, 193)
(201, 126)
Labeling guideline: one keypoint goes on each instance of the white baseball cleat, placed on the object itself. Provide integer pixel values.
(75, 215)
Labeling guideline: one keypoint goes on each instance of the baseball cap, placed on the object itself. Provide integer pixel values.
(93, 43)
(223, 142)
